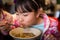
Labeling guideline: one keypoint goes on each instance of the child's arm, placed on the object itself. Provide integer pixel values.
(52, 33)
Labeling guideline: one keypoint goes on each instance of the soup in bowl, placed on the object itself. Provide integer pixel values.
(25, 34)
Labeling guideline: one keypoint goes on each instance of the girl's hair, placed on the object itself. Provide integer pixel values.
(29, 5)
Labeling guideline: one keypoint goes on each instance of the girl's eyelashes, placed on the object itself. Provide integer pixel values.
(25, 14)
(17, 14)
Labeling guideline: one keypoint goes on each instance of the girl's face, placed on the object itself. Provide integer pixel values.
(27, 19)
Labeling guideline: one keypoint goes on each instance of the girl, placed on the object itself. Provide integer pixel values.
(30, 14)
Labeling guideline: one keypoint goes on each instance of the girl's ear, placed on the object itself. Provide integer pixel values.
(39, 12)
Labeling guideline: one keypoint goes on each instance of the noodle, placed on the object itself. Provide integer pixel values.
(24, 35)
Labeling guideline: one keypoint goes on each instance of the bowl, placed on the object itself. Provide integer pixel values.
(36, 32)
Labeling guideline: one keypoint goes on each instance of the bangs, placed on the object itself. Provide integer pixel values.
(26, 6)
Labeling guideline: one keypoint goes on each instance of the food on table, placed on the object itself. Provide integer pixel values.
(24, 35)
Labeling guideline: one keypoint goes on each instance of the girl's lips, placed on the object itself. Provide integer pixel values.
(21, 25)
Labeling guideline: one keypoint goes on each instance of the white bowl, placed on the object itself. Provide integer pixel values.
(35, 31)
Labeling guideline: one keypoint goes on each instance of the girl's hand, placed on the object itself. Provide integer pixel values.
(49, 37)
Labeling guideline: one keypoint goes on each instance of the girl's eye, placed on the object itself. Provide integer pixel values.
(25, 15)
(17, 14)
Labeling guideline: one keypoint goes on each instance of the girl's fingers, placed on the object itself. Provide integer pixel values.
(50, 37)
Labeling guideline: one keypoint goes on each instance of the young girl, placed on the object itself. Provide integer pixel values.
(30, 14)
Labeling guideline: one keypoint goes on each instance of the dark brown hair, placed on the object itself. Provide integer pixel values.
(29, 5)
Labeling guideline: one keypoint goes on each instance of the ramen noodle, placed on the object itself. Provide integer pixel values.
(24, 35)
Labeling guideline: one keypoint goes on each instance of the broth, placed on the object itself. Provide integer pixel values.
(24, 35)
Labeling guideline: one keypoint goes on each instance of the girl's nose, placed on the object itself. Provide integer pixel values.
(21, 19)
